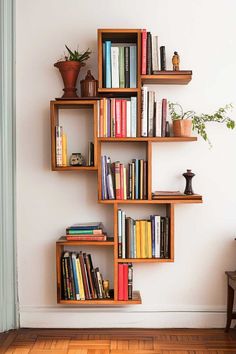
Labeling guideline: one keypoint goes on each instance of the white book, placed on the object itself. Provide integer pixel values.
(123, 233)
(158, 118)
(133, 117)
(128, 119)
(151, 100)
(157, 236)
(59, 133)
(144, 124)
(115, 67)
(155, 53)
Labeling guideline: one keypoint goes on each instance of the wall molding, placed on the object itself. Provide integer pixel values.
(8, 303)
(138, 317)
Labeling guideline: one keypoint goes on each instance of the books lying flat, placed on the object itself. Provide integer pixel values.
(86, 226)
(174, 195)
(86, 237)
(83, 232)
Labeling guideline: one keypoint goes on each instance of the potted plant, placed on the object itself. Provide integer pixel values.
(69, 67)
(185, 122)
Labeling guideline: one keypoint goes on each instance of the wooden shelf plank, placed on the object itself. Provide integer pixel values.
(144, 260)
(160, 200)
(171, 139)
(104, 302)
(75, 168)
(182, 77)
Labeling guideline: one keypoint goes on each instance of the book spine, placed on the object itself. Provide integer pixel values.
(64, 150)
(120, 282)
(113, 117)
(125, 281)
(105, 116)
(121, 181)
(86, 238)
(158, 119)
(149, 53)
(162, 238)
(119, 233)
(123, 118)
(81, 285)
(87, 264)
(133, 66)
(108, 63)
(127, 67)
(101, 121)
(144, 53)
(163, 58)
(155, 53)
(125, 183)
(95, 280)
(142, 239)
(138, 239)
(108, 113)
(130, 182)
(104, 186)
(63, 280)
(133, 181)
(118, 118)
(151, 98)
(130, 281)
(123, 233)
(164, 114)
(128, 119)
(122, 67)
(98, 119)
(145, 180)
(83, 232)
(167, 238)
(144, 112)
(149, 239)
(117, 180)
(84, 276)
(137, 176)
(133, 117)
(76, 281)
(103, 65)
(59, 133)
(141, 175)
(71, 278)
(115, 67)
(109, 181)
(68, 282)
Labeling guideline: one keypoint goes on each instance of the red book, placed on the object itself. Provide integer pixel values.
(86, 238)
(121, 181)
(118, 119)
(120, 282)
(164, 113)
(144, 53)
(117, 179)
(125, 281)
(123, 118)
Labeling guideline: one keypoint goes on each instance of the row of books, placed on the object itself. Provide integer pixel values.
(154, 115)
(152, 60)
(143, 238)
(86, 232)
(119, 65)
(121, 182)
(79, 279)
(61, 149)
(125, 281)
(117, 117)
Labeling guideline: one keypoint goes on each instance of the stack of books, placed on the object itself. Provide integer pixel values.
(86, 232)
(124, 182)
(81, 281)
(151, 61)
(119, 65)
(143, 238)
(125, 281)
(154, 115)
(117, 117)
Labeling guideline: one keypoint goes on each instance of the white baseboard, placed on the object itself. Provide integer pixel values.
(128, 317)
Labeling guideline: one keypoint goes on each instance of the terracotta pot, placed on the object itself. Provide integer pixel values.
(69, 71)
(182, 127)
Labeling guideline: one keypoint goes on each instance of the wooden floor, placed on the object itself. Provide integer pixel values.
(120, 341)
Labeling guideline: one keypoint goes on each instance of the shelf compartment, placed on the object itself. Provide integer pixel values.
(182, 77)
(171, 139)
(136, 300)
(145, 260)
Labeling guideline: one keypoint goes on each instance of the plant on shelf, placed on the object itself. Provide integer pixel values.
(69, 67)
(184, 122)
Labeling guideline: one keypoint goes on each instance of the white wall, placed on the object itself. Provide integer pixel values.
(194, 286)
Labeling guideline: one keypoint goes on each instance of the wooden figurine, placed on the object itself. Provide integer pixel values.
(175, 61)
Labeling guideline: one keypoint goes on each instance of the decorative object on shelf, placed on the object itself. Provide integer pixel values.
(106, 289)
(175, 61)
(69, 68)
(163, 57)
(184, 122)
(89, 86)
(167, 129)
(188, 176)
(76, 159)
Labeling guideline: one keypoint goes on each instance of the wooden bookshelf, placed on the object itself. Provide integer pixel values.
(168, 203)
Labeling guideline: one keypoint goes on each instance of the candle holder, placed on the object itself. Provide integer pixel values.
(188, 176)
